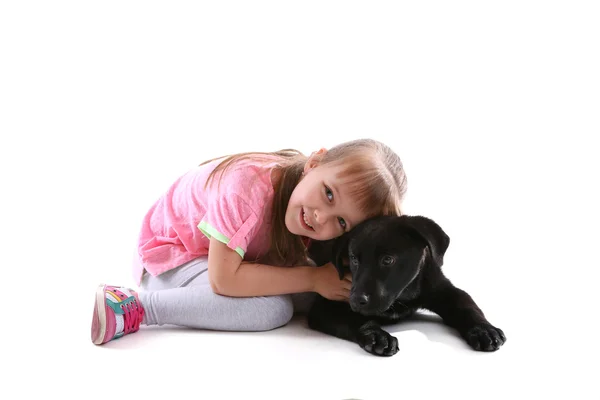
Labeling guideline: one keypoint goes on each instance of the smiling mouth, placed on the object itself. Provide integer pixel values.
(304, 221)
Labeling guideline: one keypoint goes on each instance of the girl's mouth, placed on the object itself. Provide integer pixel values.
(304, 221)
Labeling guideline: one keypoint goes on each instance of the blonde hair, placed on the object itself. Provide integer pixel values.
(372, 172)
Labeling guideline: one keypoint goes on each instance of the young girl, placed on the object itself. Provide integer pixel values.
(225, 248)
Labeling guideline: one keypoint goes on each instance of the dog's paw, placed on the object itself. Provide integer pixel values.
(377, 341)
(485, 337)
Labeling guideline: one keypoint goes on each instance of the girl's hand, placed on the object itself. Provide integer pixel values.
(328, 284)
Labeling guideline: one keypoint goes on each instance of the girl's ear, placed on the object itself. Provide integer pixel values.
(314, 159)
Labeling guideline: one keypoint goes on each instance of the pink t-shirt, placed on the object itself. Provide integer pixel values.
(178, 227)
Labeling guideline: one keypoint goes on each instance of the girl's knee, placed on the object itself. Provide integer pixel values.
(278, 311)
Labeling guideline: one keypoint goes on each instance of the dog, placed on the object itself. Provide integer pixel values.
(395, 262)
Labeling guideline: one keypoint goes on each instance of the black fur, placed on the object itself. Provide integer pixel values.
(396, 270)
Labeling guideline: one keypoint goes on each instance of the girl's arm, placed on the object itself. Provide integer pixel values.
(229, 276)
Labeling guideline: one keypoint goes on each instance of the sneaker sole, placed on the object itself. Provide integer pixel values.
(101, 313)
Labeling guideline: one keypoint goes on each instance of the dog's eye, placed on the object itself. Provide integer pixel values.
(353, 259)
(387, 260)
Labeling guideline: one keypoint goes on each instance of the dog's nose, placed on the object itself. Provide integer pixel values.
(363, 299)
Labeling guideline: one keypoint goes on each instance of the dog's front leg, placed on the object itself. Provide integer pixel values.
(337, 319)
(459, 310)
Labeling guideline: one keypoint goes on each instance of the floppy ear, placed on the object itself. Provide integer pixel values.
(340, 254)
(321, 251)
(432, 233)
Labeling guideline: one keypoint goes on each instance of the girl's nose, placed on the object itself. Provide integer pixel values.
(320, 216)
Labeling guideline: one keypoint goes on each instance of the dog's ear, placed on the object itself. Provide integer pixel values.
(340, 254)
(321, 252)
(432, 233)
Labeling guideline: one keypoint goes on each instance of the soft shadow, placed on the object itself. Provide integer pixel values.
(433, 327)
(297, 329)
(149, 334)
(429, 324)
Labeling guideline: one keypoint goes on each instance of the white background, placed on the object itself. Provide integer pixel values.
(494, 109)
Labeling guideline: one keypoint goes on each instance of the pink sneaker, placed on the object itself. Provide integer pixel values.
(117, 312)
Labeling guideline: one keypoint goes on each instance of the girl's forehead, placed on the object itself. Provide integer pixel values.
(334, 175)
(333, 171)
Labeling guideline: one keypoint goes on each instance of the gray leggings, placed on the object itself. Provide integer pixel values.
(183, 296)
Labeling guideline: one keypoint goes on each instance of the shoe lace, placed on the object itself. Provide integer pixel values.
(133, 315)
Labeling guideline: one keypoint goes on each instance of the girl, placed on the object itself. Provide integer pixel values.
(225, 248)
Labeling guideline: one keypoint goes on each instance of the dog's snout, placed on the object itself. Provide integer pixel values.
(363, 299)
(362, 302)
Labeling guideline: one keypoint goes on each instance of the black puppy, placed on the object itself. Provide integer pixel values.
(396, 269)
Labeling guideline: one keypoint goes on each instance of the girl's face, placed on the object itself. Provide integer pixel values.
(319, 207)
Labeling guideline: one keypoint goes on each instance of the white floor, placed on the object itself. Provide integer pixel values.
(493, 109)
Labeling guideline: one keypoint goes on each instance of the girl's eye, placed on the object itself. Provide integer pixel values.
(328, 193)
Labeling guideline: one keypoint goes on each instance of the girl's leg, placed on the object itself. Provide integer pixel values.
(184, 297)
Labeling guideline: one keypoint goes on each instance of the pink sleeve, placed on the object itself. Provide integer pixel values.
(230, 220)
